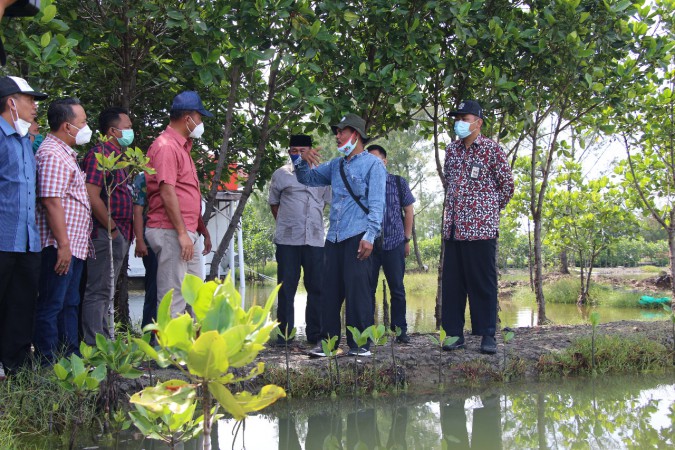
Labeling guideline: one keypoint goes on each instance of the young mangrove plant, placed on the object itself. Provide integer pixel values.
(595, 321)
(393, 334)
(329, 347)
(222, 337)
(507, 338)
(443, 339)
(360, 339)
(83, 381)
(378, 336)
(287, 338)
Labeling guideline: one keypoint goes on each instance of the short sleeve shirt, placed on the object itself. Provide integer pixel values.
(59, 175)
(300, 215)
(170, 157)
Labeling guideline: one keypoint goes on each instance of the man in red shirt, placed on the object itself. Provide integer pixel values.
(174, 198)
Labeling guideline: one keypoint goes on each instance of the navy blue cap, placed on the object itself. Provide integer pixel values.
(469, 107)
(189, 101)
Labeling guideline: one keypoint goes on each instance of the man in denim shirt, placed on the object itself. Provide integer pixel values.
(355, 221)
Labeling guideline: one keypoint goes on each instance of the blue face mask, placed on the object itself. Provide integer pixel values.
(348, 147)
(462, 128)
(294, 158)
(127, 138)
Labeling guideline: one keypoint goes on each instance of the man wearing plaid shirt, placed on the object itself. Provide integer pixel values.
(115, 124)
(64, 221)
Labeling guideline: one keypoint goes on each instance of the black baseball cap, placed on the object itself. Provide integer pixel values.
(16, 85)
(469, 107)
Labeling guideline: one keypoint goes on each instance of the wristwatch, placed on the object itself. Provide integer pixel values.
(406, 239)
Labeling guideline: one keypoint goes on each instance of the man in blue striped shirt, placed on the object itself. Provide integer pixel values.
(19, 236)
(395, 244)
(357, 207)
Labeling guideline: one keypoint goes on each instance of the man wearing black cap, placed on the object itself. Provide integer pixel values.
(174, 199)
(479, 185)
(357, 207)
(19, 236)
(299, 238)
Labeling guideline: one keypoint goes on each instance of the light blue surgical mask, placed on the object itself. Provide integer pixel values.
(127, 137)
(349, 146)
(462, 128)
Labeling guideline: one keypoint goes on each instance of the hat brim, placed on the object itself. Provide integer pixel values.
(342, 126)
(204, 112)
(459, 112)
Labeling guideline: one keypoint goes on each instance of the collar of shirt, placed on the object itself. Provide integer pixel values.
(109, 148)
(185, 143)
(67, 148)
(6, 127)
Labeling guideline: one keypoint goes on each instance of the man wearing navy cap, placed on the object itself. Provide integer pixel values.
(174, 199)
(299, 238)
(19, 236)
(479, 185)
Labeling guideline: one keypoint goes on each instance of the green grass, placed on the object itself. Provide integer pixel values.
(653, 269)
(613, 354)
(566, 291)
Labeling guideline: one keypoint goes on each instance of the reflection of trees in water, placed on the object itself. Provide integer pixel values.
(599, 413)
(602, 413)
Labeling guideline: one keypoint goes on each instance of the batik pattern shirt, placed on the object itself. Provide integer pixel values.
(479, 186)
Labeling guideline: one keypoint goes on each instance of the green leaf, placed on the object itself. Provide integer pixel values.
(190, 288)
(363, 67)
(48, 13)
(46, 39)
(227, 400)
(207, 358)
(196, 58)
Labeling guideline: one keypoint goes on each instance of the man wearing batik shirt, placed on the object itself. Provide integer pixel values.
(479, 185)
(64, 220)
(390, 255)
(115, 124)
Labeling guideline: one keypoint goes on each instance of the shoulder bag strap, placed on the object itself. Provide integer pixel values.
(349, 188)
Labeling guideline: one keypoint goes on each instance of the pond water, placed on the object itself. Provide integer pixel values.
(601, 413)
(420, 310)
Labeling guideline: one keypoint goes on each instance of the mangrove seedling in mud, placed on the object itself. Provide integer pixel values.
(671, 310)
(286, 338)
(83, 381)
(595, 321)
(393, 334)
(378, 336)
(443, 339)
(208, 349)
(507, 338)
(329, 347)
(121, 357)
(360, 339)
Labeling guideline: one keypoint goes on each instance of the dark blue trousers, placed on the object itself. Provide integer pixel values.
(470, 269)
(19, 275)
(346, 280)
(290, 259)
(56, 315)
(393, 264)
(150, 301)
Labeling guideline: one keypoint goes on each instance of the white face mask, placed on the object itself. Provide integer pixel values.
(349, 146)
(197, 131)
(83, 135)
(21, 126)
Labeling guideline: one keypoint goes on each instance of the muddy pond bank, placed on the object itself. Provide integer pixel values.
(418, 362)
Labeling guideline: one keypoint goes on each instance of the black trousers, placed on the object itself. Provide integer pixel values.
(393, 264)
(290, 258)
(346, 279)
(469, 269)
(19, 276)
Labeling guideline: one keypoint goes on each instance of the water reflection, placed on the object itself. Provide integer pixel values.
(633, 412)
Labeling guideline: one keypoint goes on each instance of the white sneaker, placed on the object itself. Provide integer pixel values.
(359, 352)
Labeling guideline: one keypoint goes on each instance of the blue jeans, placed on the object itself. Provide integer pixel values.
(56, 318)
(150, 302)
(393, 264)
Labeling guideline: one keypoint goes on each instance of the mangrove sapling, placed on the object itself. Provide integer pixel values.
(595, 320)
(671, 310)
(329, 347)
(360, 339)
(287, 338)
(83, 381)
(208, 348)
(507, 338)
(393, 334)
(444, 339)
(378, 336)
